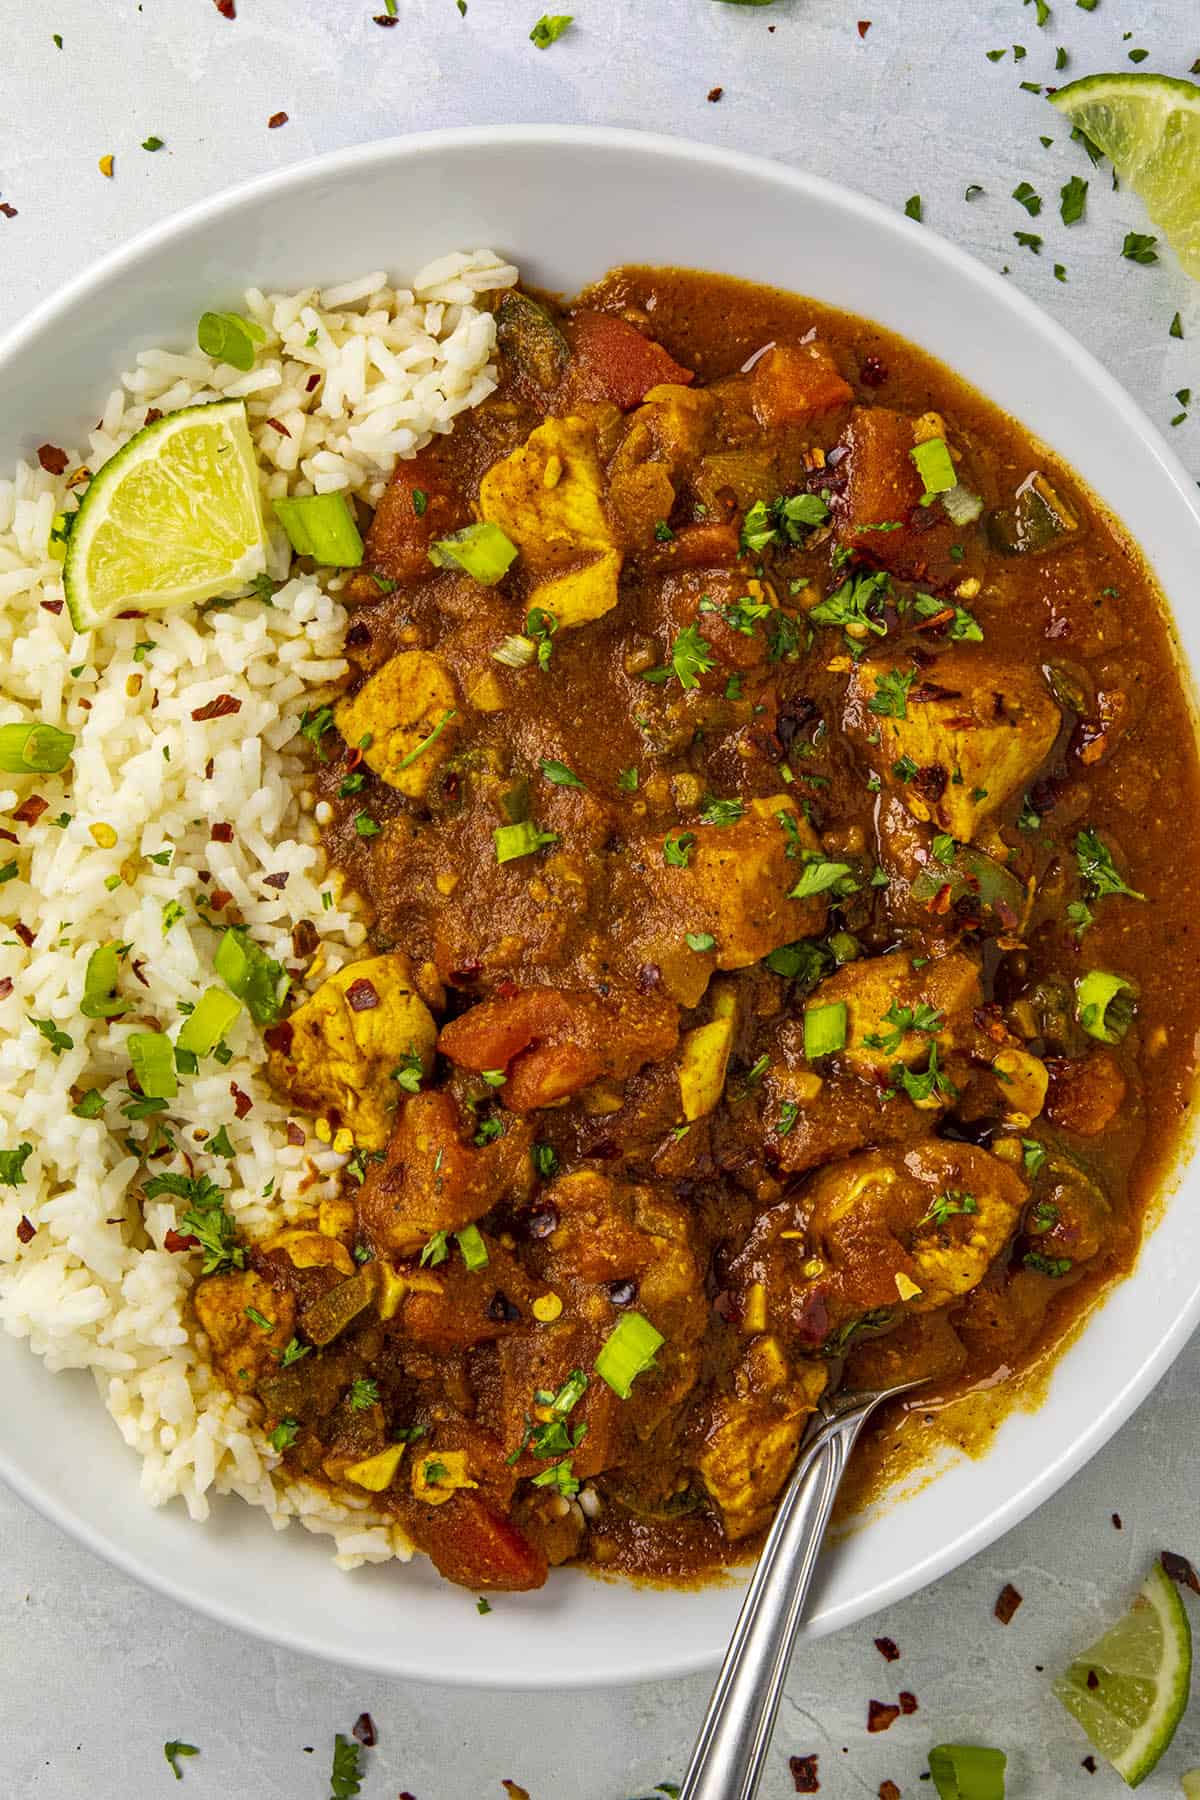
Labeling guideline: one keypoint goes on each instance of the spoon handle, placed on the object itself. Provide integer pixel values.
(728, 1760)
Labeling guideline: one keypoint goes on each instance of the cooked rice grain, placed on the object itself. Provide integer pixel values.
(94, 1288)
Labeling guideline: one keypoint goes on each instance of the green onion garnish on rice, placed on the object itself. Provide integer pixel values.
(230, 338)
(322, 526)
(152, 1057)
(203, 1030)
(34, 749)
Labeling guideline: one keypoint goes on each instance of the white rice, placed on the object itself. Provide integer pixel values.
(94, 1287)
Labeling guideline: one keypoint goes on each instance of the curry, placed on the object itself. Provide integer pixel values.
(773, 796)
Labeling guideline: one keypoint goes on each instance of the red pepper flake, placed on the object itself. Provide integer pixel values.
(221, 833)
(879, 1716)
(51, 606)
(6, 987)
(361, 996)
(944, 617)
(888, 1791)
(1089, 1763)
(295, 1135)
(506, 989)
(353, 757)
(241, 1102)
(279, 1037)
(153, 415)
(1008, 1600)
(226, 8)
(312, 381)
(25, 1231)
(130, 612)
(714, 94)
(31, 810)
(10, 212)
(52, 459)
(908, 1702)
(804, 1774)
(137, 965)
(1179, 1569)
(276, 120)
(887, 1649)
(276, 881)
(304, 938)
(1116, 1519)
(23, 932)
(1093, 1680)
(10, 837)
(220, 708)
(364, 1730)
(209, 766)
(177, 1241)
(864, 25)
(281, 429)
(510, 1787)
(220, 897)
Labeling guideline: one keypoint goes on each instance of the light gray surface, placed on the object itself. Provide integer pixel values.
(96, 1672)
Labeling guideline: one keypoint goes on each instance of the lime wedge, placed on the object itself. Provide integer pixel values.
(1130, 1689)
(173, 519)
(1150, 126)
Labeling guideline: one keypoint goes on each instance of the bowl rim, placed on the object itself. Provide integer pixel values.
(966, 268)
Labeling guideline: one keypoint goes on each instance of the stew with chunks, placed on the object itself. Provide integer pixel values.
(773, 799)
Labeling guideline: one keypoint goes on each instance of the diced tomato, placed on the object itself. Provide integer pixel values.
(491, 1034)
(611, 360)
(417, 506)
(476, 1547)
(793, 381)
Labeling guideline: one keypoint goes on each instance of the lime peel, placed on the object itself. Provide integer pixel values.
(1149, 125)
(1130, 1689)
(173, 519)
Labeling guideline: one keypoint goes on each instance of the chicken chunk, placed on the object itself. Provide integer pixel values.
(396, 714)
(336, 1054)
(736, 889)
(755, 1432)
(547, 498)
(243, 1350)
(976, 728)
(895, 1012)
(552, 1043)
(880, 1235)
(431, 1180)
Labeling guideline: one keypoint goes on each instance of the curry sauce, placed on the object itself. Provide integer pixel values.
(772, 791)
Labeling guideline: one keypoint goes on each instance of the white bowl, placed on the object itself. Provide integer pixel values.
(566, 205)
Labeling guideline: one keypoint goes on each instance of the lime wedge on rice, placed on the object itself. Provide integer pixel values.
(1130, 1689)
(173, 519)
(1150, 126)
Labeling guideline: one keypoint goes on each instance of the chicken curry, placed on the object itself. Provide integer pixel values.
(773, 797)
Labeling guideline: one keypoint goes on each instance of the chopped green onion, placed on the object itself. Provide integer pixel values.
(34, 749)
(515, 652)
(520, 840)
(230, 338)
(824, 1029)
(963, 506)
(1100, 1005)
(203, 1030)
(99, 981)
(474, 1250)
(482, 551)
(406, 762)
(153, 1058)
(627, 1352)
(250, 973)
(967, 1772)
(935, 466)
(322, 526)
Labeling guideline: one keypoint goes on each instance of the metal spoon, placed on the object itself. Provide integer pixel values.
(727, 1762)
